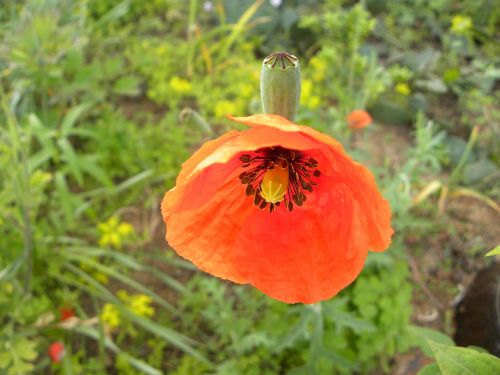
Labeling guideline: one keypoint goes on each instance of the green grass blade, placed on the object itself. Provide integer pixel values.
(137, 363)
(125, 280)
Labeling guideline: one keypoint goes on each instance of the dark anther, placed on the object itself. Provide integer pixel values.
(313, 162)
(317, 173)
(277, 204)
(257, 199)
(297, 199)
(284, 164)
(249, 190)
(290, 206)
(243, 175)
(306, 186)
(292, 155)
(245, 158)
(263, 204)
(271, 207)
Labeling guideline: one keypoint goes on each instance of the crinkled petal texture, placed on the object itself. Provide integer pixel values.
(306, 255)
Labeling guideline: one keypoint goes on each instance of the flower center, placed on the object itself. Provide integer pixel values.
(274, 175)
(274, 184)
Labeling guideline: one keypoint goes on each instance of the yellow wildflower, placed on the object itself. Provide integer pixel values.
(123, 295)
(318, 69)
(245, 90)
(403, 89)
(180, 85)
(307, 98)
(161, 50)
(101, 277)
(125, 229)
(223, 108)
(313, 102)
(255, 74)
(306, 89)
(110, 239)
(110, 315)
(113, 232)
(461, 24)
(140, 304)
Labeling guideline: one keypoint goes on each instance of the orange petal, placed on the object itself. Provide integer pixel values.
(306, 255)
(205, 234)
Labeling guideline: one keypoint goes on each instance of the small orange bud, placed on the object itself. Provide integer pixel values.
(359, 119)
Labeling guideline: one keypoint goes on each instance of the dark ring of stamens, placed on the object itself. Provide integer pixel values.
(301, 172)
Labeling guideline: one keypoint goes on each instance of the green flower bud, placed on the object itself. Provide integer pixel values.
(280, 84)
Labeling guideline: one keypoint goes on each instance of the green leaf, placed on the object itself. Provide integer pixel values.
(88, 163)
(127, 85)
(495, 251)
(113, 14)
(387, 112)
(17, 356)
(454, 360)
(477, 170)
(25, 349)
(346, 318)
(430, 369)
(73, 115)
(422, 335)
(70, 157)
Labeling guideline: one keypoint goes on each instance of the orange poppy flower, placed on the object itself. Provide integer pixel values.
(279, 206)
(359, 119)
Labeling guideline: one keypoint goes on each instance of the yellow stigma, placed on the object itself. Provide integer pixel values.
(274, 184)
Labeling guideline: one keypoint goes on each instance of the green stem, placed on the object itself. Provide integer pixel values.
(102, 337)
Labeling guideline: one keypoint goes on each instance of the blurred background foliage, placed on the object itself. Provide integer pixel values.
(101, 102)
